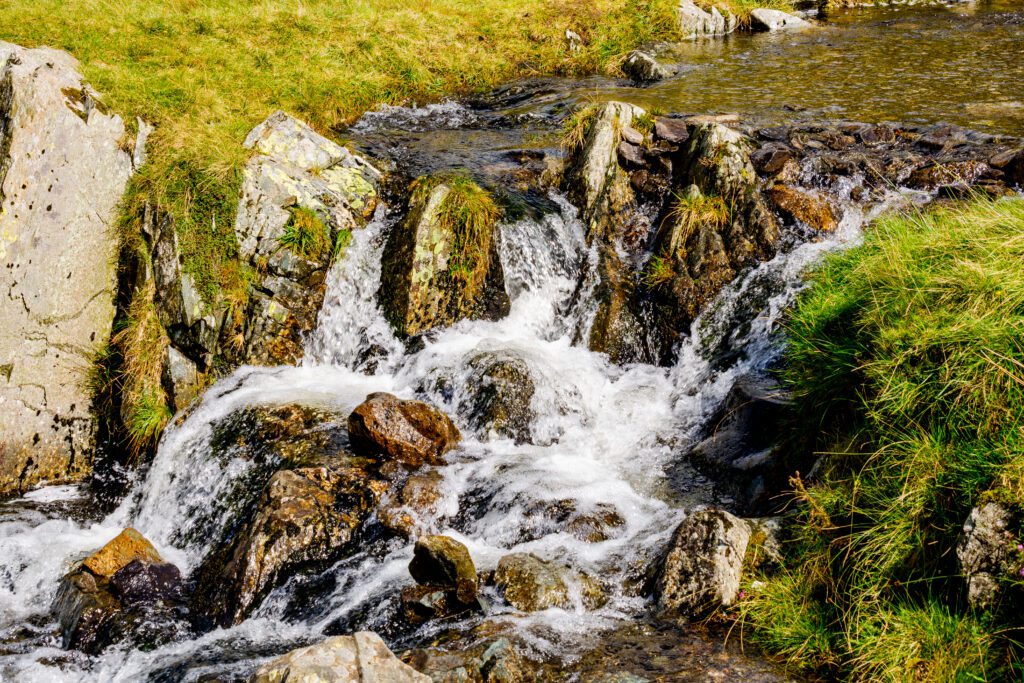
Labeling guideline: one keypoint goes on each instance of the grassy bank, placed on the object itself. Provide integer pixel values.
(907, 360)
(206, 71)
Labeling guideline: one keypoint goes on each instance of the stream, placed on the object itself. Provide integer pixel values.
(605, 437)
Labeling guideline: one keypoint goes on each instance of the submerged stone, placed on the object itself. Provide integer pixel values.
(531, 584)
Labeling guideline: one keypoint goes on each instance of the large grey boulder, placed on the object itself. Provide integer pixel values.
(701, 569)
(63, 170)
(695, 22)
(359, 658)
(763, 19)
(294, 171)
(986, 552)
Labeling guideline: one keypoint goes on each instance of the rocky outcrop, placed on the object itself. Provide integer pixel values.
(302, 196)
(63, 170)
(530, 584)
(986, 553)
(700, 571)
(695, 22)
(123, 591)
(409, 432)
(440, 264)
(359, 658)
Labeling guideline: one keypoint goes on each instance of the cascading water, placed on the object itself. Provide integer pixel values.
(601, 439)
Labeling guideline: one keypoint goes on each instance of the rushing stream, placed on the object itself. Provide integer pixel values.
(604, 435)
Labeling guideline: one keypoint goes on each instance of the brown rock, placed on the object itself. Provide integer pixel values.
(411, 432)
(127, 546)
(810, 209)
(444, 562)
(416, 501)
(530, 584)
(956, 173)
(674, 131)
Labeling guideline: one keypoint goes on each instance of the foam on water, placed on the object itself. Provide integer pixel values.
(601, 439)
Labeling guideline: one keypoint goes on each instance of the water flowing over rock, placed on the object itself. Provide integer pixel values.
(530, 584)
(63, 170)
(359, 658)
(436, 271)
(812, 210)
(410, 432)
(701, 569)
(986, 553)
(501, 390)
(297, 180)
(496, 660)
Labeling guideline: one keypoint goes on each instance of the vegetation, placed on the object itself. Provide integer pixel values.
(659, 272)
(576, 127)
(470, 213)
(206, 72)
(306, 235)
(742, 8)
(906, 357)
(694, 209)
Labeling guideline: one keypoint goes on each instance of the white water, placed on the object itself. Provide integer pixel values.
(602, 437)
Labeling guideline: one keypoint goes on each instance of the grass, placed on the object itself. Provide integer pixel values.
(741, 9)
(659, 272)
(206, 71)
(906, 358)
(576, 127)
(306, 235)
(470, 213)
(692, 210)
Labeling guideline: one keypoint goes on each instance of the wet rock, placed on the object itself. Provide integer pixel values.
(144, 582)
(631, 154)
(985, 553)
(771, 158)
(304, 516)
(124, 591)
(763, 19)
(425, 603)
(643, 67)
(813, 210)
(496, 660)
(881, 134)
(359, 658)
(933, 176)
(701, 569)
(673, 131)
(429, 277)
(739, 454)
(695, 22)
(1011, 162)
(180, 377)
(294, 175)
(531, 584)
(500, 392)
(62, 174)
(126, 547)
(415, 504)
(445, 563)
(410, 432)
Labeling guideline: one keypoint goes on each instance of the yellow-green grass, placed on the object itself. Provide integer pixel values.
(906, 359)
(206, 71)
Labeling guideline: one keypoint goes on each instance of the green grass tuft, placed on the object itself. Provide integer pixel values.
(659, 272)
(906, 359)
(306, 235)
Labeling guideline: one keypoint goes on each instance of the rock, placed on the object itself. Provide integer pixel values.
(674, 131)
(986, 552)
(695, 22)
(144, 582)
(429, 278)
(295, 174)
(937, 175)
(62, 174)
(90, 617)
(126, 547)
(416, 503)
(304, 516)
(1011, 162)
(763, 19)
(495, 660)
(443, 562)
(181, 378)
(500, 393)
(530, 584)
(771, 158)
(359, 658)
(643, 67)
(410, 432)
(812, 210)
(739, 454)
(631, 154)
(700, 571)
